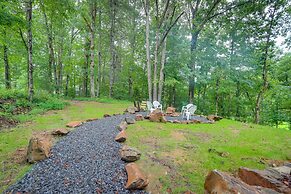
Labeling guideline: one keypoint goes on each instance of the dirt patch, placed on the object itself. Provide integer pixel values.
(19, 156)
(152, 142)
(7, 122)
(178, 135)
(203, 136)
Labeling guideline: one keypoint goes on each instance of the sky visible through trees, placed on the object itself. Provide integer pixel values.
(230, 58)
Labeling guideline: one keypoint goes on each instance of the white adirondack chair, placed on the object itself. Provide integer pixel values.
(157, 105)
(150, 106)
(188, 111)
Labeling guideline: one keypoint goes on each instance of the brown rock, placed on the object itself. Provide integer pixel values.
(74, 124)
(91, 119)
(157, 116)
(129, 154)
(106, 115)
(196, 121)
(214, 117)
(269, 178)
(131, 110)
(60, 132)
(220, 182)
(135, 109)
(39, 148)
(122, 126)
(136, 179)
(175, 114)
(147, 117)
(121, 137)
(170, 110)
(138, 117)
(176, 121)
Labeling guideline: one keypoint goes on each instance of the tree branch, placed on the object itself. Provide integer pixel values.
(87, 23)
(168, 30)
(23, 39)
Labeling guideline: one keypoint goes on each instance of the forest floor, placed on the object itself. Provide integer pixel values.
(14, 141)
(177, 157)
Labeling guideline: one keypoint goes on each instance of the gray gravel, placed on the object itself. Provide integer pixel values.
(195, 117)
(85, 161)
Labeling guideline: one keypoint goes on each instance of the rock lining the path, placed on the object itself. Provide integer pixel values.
(74, 124)
(136, 179)
(121, 137)
(86, 160)
(129, 120)
(39, 147)
(122, 125)
(60, 132)
(129, 154)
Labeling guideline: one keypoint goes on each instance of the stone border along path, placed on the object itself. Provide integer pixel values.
(85, 161)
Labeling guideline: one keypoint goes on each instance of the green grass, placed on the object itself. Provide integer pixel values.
(15, 138)
(176, 156)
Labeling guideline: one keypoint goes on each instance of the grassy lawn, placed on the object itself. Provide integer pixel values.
(17, 138)
(176, 157)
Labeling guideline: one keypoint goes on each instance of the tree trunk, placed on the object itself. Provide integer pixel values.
(29, 49)
(194, 37)
(92, 47)
(67, 85)
(237, 99)
(265, 68)
(216, 95)
(147, 12)
(161, 81)
(112, 47)
(7, 68)
(85, 68)
(155, 89)
(99, 54)
(60, 67)
(50, 47)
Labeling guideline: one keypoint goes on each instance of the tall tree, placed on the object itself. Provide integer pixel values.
(29, 49)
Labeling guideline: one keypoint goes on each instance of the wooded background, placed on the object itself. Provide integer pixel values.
(221, 55)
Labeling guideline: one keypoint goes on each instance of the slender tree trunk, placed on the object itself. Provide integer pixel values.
(161, 81)
(216, 95)
(29, 46)
(155, 89)
(147, 12)
(99, 54)
(7, 68)
(85, 68)
(112, 47)
(93, 11)
(237, 99)
(265, 68)
(67, 85)
(194, 38)
(50, 46)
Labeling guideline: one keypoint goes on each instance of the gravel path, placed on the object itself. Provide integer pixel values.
(85, 161)
(195, 117)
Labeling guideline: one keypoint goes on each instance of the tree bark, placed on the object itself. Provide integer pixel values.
(29, 50)
(6, 64)
(99, 54)
(51, 61)
(147, 13)
(93, 11)
(85, 68)
(216, 95)
(161, 81)
(112, 47)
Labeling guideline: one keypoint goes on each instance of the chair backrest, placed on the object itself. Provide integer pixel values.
(189, 106)
(149, 105)
(156, 104)
(192, 109)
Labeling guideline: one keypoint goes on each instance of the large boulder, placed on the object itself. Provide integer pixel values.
(129, 154)
(39, 148)
(157, 116)
(220, 182)
(122, 126)
(136, 179)
(121, 137)
(74, 124)
(129, 120)
(60, 132)
(170, 110)
(214, 118)
(138, 117)
(270, 178)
